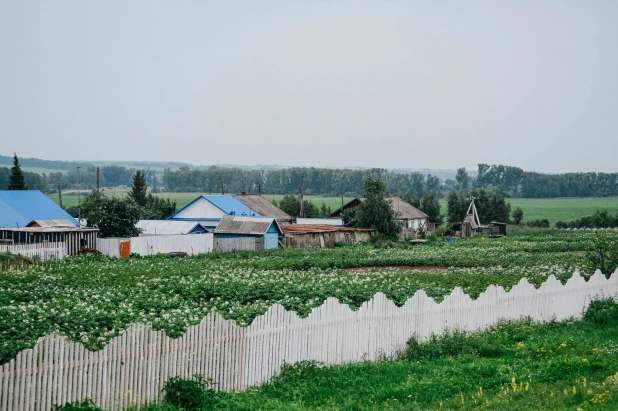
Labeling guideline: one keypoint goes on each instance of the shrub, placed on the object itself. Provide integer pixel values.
(86, 405)
(604, 254)
(189, 394)
(602, 312)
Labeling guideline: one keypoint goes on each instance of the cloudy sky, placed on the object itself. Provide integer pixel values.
(417, 84)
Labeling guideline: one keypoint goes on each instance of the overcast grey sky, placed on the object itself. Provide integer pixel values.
(418, 84)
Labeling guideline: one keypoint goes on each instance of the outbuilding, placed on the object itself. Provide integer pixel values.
(236, 233)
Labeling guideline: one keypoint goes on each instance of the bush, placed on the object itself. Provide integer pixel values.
(86, 405)
(604, 254)
(192, 394)
(602, 312)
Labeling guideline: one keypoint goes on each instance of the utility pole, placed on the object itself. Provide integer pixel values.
(79, 198)
(60, 195)
(259, 189)
(97, 179)
(221, 180)
(341, 190)
(302, 202)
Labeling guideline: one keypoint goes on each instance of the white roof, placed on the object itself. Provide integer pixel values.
(165, 227)
(328, 221)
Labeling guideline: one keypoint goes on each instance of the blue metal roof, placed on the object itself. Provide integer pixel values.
(20, 207)
(230, 205)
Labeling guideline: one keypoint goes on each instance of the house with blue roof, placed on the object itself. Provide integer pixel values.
(209, 209)
(18, 208)
(30, 217)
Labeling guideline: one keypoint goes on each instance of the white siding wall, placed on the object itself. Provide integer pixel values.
(201, 209)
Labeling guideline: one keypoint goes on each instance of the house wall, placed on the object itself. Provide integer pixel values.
(202, 208)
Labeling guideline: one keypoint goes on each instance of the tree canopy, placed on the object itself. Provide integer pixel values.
(16, 179)
(139, 189)
(376, 210)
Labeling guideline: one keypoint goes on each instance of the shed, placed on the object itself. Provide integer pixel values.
(20, 207)
(40, 231)
(247, 233)
(322, 235)
(209, 209)
(169, 227)
(264, 208)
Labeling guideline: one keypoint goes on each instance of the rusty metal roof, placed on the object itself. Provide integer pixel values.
(245, 225)
(262, 206)
(318, 228)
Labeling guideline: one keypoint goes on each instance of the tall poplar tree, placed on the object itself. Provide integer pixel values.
(16, 180)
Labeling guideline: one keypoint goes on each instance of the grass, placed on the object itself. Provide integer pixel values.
(521, 365)
(553, 209)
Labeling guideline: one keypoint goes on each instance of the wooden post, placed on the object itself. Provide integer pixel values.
(97, 179)
(222, 192)
(259, 189)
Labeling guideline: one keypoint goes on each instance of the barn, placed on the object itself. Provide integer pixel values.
(236, 233)
(322, 235)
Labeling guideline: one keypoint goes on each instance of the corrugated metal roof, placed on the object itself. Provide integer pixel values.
(226, 203)
(263, 207)
(18, 208)
(317, 228)
(169, 227)
(50, 223)
(245, 225)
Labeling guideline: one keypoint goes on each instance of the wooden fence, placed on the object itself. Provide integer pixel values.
(45, 251)
(133, 367)
(223, 245)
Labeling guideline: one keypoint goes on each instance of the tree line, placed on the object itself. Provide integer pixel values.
(515, 182)
(314, 181)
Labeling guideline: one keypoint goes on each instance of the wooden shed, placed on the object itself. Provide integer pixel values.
(322, 235)
(235, 233)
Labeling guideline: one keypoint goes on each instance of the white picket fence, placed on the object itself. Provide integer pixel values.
(132, 368)
(45, 251)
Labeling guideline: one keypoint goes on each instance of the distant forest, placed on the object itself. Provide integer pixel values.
(505, 180)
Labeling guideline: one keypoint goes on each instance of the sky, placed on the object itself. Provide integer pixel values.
(325, 83)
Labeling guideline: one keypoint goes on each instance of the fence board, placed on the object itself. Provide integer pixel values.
(45, 251)
(133, 367)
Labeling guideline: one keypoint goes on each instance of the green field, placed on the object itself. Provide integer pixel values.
(553, 209)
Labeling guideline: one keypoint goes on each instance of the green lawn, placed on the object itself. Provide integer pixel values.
(553, 209)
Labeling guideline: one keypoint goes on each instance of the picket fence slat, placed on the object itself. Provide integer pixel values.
(45, 251)
(133, 367)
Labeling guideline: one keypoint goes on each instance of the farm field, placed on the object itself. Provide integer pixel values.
(520, 365)
(554, 209)
(93, 298)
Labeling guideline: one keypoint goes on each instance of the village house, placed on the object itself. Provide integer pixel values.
(410, 217)
(264, 207)
(30, 217)
(209, 209)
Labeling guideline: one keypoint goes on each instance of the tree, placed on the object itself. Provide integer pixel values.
(290, 205)
(457, 205)
(139, 189)
(376, 211)
(463, 179)
(518, 216)
(16, 180)
(430, 205)
(500, 209)
(432, 184)
(115, 217)
(157, 208)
